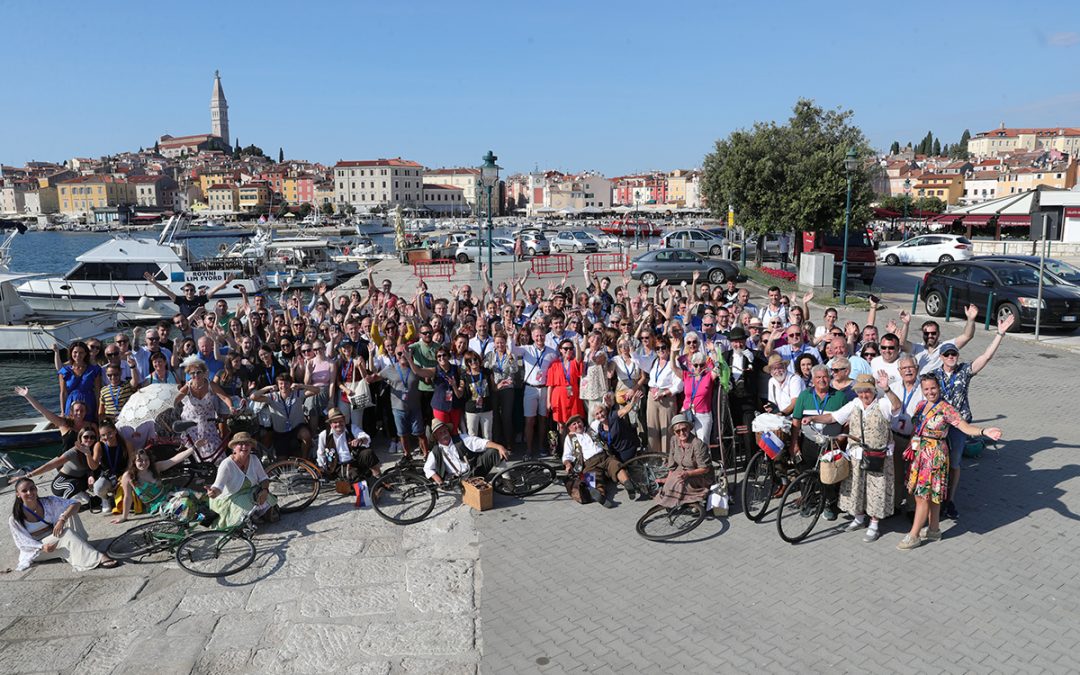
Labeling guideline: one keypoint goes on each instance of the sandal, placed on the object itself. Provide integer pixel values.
(109, 564)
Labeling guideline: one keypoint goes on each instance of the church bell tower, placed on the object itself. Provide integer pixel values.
(219, 111)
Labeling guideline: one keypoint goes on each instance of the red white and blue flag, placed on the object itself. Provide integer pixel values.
(771, 444)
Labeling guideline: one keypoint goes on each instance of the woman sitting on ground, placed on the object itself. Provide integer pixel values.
(241, 485)
(111, 455)
(45, 528)
(142, 480)
(73, 468)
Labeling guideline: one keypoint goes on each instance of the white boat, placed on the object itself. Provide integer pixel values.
(296, 262)
(22, 331)
(109, 277)
(27, 433)
(353, 255)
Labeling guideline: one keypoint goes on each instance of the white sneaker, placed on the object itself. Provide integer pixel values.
(855, 525)
(871, 535)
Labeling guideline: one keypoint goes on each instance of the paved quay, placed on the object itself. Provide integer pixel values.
(543, 585)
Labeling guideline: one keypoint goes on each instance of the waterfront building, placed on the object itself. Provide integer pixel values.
(467, 179)
(223, 198)
(79, 196)
(156, 190)
(367, 184)
(450, 199)
(217, 177)
(254, 197)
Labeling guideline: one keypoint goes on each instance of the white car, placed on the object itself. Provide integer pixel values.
(929, 249)
(472, 249)
(576, 241)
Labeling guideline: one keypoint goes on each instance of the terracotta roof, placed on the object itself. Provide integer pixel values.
(397, 161)
(439, 186)
(94, 178)
(1009, 132)
(145, 179)
(465, 170)
(984, 175)
(221, 186)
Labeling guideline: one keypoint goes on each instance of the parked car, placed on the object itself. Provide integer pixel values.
(677, 264)
(576, 241)
(474, 249)
(860, 252)
(927, 249)
(1006, 287)
(1067, 273)
(694, 239)
(770, 252)
(534, 242)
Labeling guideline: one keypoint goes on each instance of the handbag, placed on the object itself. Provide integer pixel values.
(835, 471)
(718, 498)
(360, 396)
(873, 460)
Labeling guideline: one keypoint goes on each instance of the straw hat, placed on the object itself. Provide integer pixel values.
(242, 437)
(864, 382)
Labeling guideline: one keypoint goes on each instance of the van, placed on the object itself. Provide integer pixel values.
(862, 260)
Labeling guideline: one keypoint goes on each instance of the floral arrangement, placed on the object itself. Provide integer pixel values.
(779, 274)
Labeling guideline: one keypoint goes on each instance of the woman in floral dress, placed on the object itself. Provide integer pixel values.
(928, 480)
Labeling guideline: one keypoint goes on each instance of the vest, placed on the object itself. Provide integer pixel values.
(873, 424)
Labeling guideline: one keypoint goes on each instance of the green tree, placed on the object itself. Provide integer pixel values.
(280, 155)
(327, 209)
(937, 147)
(349, 210)
(157, 148)
(895, 203)
(790, 176)
(305, 210)
(933, 204)
(894, 149)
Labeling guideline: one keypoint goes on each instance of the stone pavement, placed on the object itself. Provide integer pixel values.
(332, 590)
(543, 585)
(571, 588)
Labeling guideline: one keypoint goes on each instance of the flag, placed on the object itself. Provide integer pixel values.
(770, 444)
(120, 301)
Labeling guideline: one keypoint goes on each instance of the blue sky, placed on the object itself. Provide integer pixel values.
(611, 86)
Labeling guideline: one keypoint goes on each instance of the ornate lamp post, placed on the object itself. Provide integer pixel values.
(851, 163)
(907, 198)
(489, 178)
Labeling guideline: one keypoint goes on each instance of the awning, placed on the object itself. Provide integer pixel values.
(980, 219)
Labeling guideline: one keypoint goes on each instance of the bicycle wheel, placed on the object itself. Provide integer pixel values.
(661, 523)
(142, 541)
(644, 469)
(758, 486)
(215, 553)
(524, 479)
(800, 507)
(403, 498)
(294, 482)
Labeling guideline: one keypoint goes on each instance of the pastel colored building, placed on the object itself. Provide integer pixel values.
(366, 184)
(223, 198)
(946, 187)
(1009, 139)
(79, 196)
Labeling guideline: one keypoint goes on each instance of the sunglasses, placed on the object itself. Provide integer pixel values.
(566, 349)
(950, 354)
(95, 348)
(929, 333)
(113, 374)
(888, 348)
(122, 341)
(112, 353)
(869, 354)
(425, 332)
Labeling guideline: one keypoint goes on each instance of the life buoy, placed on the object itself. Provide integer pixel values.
(348, 250)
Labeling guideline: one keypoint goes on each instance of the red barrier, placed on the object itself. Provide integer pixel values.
(607, 263)
(557, 264)
(435, 269)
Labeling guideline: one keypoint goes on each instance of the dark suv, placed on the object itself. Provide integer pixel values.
(1005, 287)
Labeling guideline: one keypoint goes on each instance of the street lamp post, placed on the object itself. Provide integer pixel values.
(489, 178)
(851, 163)
(907, 198)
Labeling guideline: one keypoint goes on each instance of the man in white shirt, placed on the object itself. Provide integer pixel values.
(927, 354)
(557, 334)
(909, 392)
(482, 342)
(536, 358)
(889, 361)
(581, 449)
(347, 445)
(452, 456)
(774, 310)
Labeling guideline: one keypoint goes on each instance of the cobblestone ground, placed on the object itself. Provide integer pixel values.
(571, 588)
(332, 590)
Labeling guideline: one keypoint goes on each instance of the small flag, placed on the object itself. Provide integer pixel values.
(363, 497)
(120, 301)
(771, 444)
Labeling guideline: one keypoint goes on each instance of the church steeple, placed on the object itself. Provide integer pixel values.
(219, 111)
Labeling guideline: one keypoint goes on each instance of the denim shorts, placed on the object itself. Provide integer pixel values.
(957, 441)
(408, 422)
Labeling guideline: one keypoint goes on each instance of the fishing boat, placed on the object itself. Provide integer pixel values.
(27, 433)
(110, 277)
(296, 262)
(631, 228)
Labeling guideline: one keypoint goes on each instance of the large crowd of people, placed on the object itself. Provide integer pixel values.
(586, 374)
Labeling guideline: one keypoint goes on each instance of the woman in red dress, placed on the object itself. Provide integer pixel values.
(564, 385)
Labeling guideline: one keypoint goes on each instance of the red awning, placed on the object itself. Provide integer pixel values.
(979, 219)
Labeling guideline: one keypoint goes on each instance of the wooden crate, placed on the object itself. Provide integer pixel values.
(478, 494)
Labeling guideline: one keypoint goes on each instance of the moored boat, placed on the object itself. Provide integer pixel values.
(27, 433)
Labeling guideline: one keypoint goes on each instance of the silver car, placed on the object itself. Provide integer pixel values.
(694, 239)
(533, 242)
(576, 241)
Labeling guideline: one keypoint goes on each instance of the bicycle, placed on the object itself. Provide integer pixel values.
(405, 497)
(661, 523)
(295, 481)
(804, 498)
(531, 476)
(218, 552)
